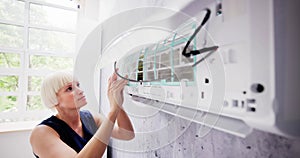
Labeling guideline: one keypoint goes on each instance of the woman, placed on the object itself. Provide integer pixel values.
(70, 132)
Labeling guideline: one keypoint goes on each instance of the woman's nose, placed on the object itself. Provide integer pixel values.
(78, 90)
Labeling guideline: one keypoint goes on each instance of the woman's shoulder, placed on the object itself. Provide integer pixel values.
(41, 133)
(45, 140)
(43, 128)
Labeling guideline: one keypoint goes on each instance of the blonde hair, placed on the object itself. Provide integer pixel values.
(51, 84)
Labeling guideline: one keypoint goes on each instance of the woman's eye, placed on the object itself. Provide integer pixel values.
(78, 85)
(69, 88)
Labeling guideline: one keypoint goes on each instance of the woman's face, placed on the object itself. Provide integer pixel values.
(71, 96)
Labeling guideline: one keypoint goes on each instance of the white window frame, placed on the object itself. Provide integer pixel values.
(24, 71)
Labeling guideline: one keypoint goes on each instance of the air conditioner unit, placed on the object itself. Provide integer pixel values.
(249, 81)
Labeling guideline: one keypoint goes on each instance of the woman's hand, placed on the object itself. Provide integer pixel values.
(115, 92)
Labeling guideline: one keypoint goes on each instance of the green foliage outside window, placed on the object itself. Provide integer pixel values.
(34, 103)
(8, 83)
(51, 62)
(8, 103)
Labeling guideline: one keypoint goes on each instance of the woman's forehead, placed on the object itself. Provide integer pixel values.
(71, 83)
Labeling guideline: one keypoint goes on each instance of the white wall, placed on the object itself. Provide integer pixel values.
(15, 145)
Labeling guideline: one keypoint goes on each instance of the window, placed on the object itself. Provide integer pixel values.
(36, 38)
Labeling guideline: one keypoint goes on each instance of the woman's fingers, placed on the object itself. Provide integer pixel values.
(115, 90)
(112, 78)
(114, 84)
(118, 85)
(114, 75)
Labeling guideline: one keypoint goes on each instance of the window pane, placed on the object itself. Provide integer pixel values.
(51, 62)
(8, 103)
(51, 40)
(12, 10)
(34, 83)
(34, 102)
(54, 17)
(9, 60)
(8, 83)
(11, 36)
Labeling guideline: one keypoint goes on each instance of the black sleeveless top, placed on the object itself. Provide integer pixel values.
(68, 135)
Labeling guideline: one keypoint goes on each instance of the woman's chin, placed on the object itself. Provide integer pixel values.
(81, 104)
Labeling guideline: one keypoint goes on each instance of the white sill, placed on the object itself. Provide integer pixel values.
(18, 126)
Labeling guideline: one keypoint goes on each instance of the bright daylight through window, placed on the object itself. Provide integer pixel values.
(36, 38)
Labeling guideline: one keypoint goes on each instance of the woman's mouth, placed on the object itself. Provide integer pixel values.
(81, 98)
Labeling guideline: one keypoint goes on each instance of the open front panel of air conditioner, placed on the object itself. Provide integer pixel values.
(183, 86)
